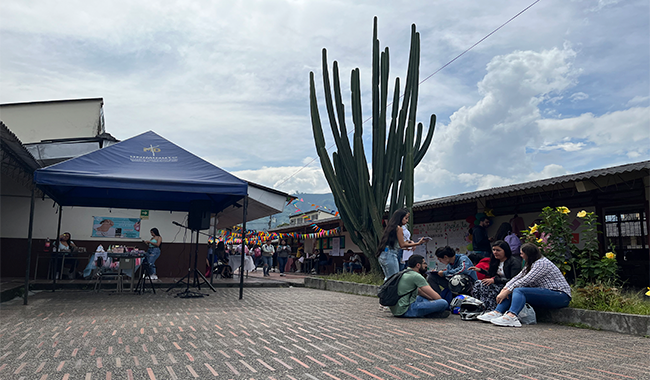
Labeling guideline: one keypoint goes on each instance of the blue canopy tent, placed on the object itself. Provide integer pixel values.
(143, 172)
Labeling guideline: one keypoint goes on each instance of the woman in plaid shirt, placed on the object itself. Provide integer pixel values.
(540, 283)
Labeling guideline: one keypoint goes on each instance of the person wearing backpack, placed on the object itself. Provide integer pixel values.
(415, 298)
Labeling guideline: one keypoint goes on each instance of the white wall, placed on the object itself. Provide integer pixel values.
(14, 218)
(33, 122)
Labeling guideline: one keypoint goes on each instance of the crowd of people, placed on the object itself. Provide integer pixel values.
(500, 276)
(278, 256)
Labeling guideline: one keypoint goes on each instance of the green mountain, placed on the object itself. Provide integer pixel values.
(305, 202)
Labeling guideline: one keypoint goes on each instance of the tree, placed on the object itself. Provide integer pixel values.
(397, 148)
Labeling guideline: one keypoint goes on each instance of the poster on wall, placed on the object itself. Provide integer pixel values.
(104, 226)
(452, 233)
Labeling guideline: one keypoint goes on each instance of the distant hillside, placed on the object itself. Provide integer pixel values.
(304, 203)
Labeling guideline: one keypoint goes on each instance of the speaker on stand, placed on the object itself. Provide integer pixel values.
(198, 219)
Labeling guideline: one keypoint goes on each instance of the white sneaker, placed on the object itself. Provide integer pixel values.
(487, 317)
(153, 277)
(507, 321)
(282, 274)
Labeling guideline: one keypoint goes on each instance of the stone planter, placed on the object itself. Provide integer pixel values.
(602, 320)
(341, 286)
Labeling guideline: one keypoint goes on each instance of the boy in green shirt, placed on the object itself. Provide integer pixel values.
(419, 300)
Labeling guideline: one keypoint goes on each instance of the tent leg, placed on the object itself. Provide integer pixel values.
(55, 251)
(243, 239)
(214, 248)
(29, 246)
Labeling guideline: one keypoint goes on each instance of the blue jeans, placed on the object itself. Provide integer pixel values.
(152, 255)
(422, 308)
(268, 263)
(536, 297)
(282, 262)
(388, 262)
(351, 267)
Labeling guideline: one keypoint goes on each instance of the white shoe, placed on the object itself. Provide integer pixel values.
(507, 321)
(487, 317)
(153, 277)
(282, 274)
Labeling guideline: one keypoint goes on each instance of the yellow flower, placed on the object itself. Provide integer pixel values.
(648, 292)
(563, 210)
(540, 240)
(533, 229)
(582, 214)
(610, 255)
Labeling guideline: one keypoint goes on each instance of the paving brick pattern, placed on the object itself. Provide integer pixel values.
(288, 333)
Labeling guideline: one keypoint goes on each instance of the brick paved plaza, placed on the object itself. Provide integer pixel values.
(288, 333)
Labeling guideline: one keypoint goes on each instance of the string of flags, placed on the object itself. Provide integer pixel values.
(252, 236)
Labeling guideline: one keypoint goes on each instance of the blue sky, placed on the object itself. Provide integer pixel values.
(563, 88)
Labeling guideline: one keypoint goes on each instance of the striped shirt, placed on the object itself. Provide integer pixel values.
(543, 274)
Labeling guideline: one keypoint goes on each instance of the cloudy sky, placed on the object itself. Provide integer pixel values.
(563, 88)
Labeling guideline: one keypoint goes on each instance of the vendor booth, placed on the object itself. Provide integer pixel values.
(143, 172)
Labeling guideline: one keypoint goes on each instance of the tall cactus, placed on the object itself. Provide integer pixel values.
(396, 149)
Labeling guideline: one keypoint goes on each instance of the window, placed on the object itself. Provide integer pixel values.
(626, 230)
(326, 243)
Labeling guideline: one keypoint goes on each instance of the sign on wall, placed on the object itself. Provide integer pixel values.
(453, 234)
(116, 227)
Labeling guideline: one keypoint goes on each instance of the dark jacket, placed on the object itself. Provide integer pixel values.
(511, 268)
(480, 240)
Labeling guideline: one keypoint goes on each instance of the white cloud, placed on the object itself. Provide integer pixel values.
(229, 80)
(290, 179)
(638, 100)
(578, 96)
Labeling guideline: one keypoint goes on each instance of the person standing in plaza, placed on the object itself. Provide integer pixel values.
(392, 240)
(153, 253)
(283, 255)
(480, 239)
(267, 257)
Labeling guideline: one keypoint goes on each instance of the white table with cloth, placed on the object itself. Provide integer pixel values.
(235, 262)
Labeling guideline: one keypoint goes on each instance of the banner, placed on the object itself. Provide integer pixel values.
(107, 226)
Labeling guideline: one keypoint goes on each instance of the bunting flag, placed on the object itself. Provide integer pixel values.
(259, 237)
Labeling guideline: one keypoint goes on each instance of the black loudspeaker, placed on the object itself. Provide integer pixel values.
(199, 217)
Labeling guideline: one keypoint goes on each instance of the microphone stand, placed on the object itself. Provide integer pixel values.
(187, 293)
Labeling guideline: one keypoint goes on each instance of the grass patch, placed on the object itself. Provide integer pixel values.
(359, 278)
(605, 298)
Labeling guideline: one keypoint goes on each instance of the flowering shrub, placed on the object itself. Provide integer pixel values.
(553, 236)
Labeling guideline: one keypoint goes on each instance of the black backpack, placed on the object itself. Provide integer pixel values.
(388, 295)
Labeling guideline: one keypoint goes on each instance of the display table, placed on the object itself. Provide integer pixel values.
(235, 262)
(128, 264)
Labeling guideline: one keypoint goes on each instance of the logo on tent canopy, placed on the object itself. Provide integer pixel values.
(152, 149)
(153, 157)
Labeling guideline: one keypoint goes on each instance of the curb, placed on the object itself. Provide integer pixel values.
(632, 324)
(341, 286)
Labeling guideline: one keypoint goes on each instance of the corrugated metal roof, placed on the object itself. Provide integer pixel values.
(13, 145)
(495, 191)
